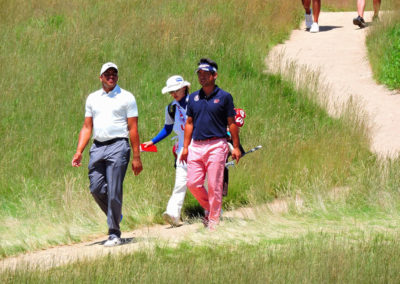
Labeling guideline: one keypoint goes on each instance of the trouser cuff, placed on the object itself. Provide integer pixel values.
(114, 232)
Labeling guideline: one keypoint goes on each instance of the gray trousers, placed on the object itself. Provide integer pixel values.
(107, 167)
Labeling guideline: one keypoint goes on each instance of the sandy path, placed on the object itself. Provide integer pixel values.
(133, 241)
(339, 53)
(146, 237)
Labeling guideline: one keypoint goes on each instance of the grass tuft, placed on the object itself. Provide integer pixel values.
(383, 42)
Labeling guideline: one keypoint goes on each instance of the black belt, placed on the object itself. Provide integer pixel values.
(109, 142)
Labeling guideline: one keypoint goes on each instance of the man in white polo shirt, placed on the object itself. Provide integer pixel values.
(111, 116)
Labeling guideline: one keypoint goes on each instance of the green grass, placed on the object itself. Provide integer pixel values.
(52, 53)
(339, 5)
(312, 258)
(383, 42)
(348, 5)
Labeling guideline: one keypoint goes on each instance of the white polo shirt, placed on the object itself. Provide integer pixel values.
(110, 112)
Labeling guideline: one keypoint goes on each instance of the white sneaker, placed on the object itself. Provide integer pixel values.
(173, 221)
(113, 241)
(314, 28)
(309, 20)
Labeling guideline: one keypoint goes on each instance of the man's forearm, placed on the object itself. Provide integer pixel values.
(84, 137)
(134, 136)
(187, 134)
(135, 143)
(233, 129)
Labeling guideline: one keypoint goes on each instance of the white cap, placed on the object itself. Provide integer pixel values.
(174, 83)
(107, 66)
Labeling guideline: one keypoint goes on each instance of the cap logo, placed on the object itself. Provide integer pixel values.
(107, 66)
(216, 101)
(206, 67)
(174, 83)
(196, 98)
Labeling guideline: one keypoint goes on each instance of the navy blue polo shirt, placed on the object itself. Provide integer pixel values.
(210, 114)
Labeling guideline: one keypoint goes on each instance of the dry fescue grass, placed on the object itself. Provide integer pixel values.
(259, 248)
(53, 52)
(339, 5)
(351, 5)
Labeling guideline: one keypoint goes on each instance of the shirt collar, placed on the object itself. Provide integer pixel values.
(202, 95)
(114, 92)
(182, 102)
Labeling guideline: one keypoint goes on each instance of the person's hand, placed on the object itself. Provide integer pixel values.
(76, 160)
(184, 155)
(148, 144)
(137, 166)
(236, 154)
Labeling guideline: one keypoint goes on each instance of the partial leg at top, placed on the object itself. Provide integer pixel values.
(361, 7)
(377, 6)
(316, 7)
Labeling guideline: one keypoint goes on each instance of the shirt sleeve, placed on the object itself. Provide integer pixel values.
(132, 110)
(189, 111)
(88, 108)
(230, 106)
(163, 133)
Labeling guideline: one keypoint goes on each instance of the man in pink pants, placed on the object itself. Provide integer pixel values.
(209, 111)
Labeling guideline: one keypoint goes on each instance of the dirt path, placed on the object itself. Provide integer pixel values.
(132, 241)
(146, 237)
(339, 53)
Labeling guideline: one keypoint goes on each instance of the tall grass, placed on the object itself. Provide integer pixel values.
(52, 52)
(349, 5)
(314, 258)
(339, 5)
(383, 42)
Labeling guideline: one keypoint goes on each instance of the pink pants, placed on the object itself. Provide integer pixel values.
(207, 157)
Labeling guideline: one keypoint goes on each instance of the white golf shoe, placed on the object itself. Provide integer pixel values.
(173, 221)
(113, 241)
(314, 28)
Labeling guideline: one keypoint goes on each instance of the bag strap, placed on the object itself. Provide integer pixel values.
(172, 110)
